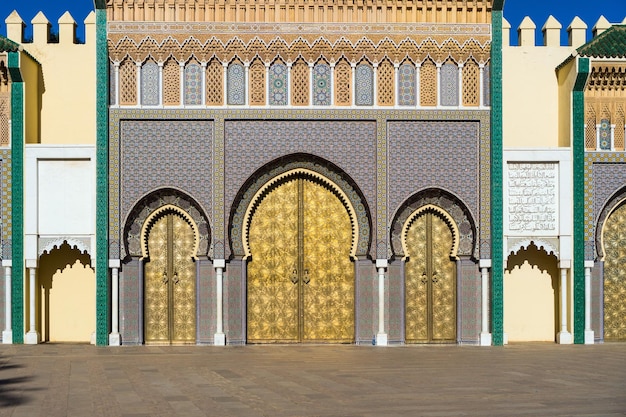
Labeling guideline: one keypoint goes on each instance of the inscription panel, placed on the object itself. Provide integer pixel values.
(531, 191)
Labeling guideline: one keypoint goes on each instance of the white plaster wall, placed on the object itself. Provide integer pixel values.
(65, 203)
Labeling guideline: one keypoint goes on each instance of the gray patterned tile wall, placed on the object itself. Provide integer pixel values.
(165, 153)
(395, 283)
(2, 302)
(441, 154)
(206, 302)
(349, 145)
(608, 179)
(470, 303)
(366, 302)
(234, 302)
(597, 301)
(130, 303)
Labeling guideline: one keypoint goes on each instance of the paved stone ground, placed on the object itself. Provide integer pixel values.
(348, 381)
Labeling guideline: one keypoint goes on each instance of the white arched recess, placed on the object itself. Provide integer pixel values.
(538, 209)
(59, 205)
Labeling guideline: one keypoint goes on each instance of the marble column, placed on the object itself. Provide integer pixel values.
(381, 336)
(219, 338)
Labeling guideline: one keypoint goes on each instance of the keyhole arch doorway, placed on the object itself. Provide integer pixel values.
(170, 242)
(300, 237)
(430, 243)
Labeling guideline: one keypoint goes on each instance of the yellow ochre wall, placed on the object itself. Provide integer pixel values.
(32, 98)
(535, 97)
(67, 81)
(67, 288)
(531, 296)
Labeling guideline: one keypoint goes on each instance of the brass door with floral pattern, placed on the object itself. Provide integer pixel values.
(430, 282)
(614, 240)
(170, 283)
(300, 277)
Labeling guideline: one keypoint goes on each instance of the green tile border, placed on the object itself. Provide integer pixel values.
(578, 147)
(102, 168)
(17, 195)
(497, 252)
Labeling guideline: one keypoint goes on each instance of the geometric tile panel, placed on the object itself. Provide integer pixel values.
(193, 85)
(364, 85)
(407, 85)
(165, 153)
(150, 84)
(236, 86)
(432, 154)
(449, 84)
(321, 84)
(278, 84)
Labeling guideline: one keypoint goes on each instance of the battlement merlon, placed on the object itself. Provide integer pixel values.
(551, 30)
(42, 29)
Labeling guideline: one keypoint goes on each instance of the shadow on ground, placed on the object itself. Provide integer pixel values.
(12, 388)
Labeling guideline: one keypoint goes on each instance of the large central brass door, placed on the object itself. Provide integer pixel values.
(615, 276)
(170, 283)
(430, 282)
(300, 278)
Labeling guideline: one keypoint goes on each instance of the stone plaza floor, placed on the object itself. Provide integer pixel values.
(313, 380)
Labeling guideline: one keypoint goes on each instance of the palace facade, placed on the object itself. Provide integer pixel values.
(239, 172)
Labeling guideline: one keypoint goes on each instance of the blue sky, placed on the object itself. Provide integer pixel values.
(514, 11)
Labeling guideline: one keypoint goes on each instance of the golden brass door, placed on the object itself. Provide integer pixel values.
(430, 282)
(300, 277)
(615, 276)
(170, 283)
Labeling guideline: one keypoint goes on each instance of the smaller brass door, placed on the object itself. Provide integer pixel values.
(170, 283)
(430, 282)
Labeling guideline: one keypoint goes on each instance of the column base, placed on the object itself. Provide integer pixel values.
(93, 338)
(564, 338)
(7, 337)
(589, 337)
(485, 339)
(115, 339)
(381, 339)
(219, 339)
(31, 338)
(505, 338)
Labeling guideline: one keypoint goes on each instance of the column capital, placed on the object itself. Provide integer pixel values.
(7, 263)
(588, 264)
(31, 263)
(484, 263)
(565, 263)
(219, 263)
(115, 263)
(382, 263)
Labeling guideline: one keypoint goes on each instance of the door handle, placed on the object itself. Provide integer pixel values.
(435, 279)
(294, 276)
(306, 278)
(165, 277)
(176, 279)
(424, 278)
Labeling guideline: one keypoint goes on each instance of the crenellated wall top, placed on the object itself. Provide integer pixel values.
(301, 11)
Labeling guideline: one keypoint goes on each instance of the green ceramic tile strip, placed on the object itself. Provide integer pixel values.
(579, 198)
(497, 262)
(17, 195)
(102, 169)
